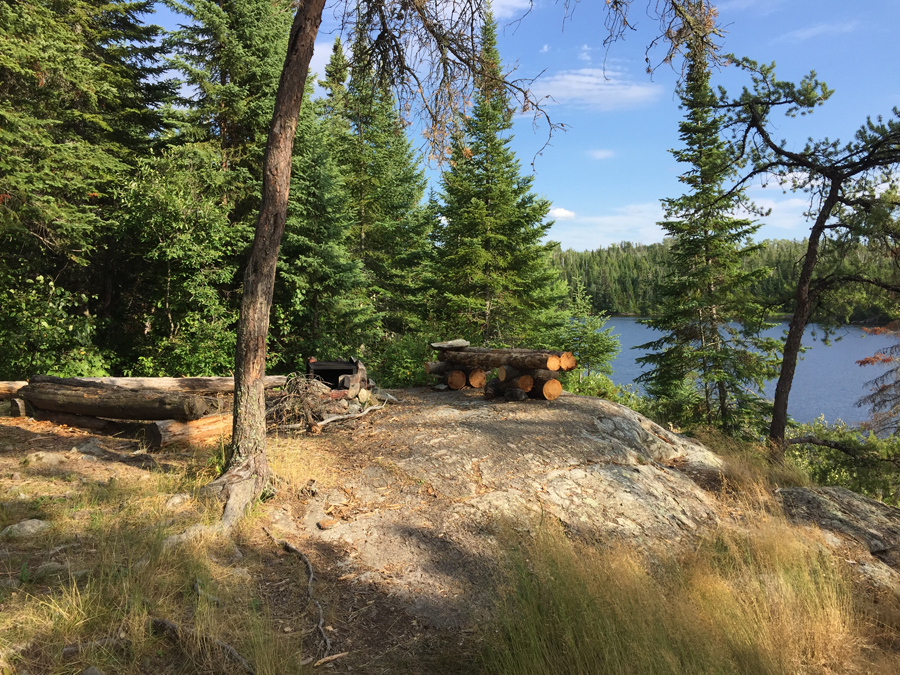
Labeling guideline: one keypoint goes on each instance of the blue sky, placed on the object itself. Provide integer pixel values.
(606, 174)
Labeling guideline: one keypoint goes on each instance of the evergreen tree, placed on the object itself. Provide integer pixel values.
(80, 87)
(711, 350)
(321, 303)
(383, 174)
(498, 285)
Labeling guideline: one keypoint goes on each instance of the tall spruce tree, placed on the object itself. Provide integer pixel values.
(384, 176)
(711, 355)
(496, 279)
(321, 302)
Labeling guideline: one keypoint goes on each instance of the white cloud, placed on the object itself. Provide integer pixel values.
(601, 154)
(320, 58)
(817, 30)
(635, 223)
(545, 49)
(510, 8)
(561, 214)
(598, 88)
(584, 54)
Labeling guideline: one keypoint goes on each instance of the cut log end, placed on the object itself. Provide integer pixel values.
(548, 390)
(477, 378)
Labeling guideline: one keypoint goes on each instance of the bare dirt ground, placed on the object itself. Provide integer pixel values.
(401, 513)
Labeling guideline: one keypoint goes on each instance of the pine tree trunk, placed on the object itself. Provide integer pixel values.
(246, 472)
(802, 311)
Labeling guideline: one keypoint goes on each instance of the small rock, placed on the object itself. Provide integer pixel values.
(10, 583)
(175, 501)
(328, 524)
(92, 670)
(440, 387)
(90, 448)
(363, 396)
(89, 458)
(15, 475)
(26, 528)
(48, 458)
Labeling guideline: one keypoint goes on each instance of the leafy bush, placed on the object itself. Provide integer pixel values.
(398, 360)
(860, 461)
(45, 330)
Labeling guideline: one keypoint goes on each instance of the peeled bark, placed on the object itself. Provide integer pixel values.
(116, 403)
(9, 389)
(488, 361)
(548, 390)
(197, 432)
(247, 472)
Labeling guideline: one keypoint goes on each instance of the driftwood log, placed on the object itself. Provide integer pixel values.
(546, 389)
(195, 432)
(185, 385)
(116, 402)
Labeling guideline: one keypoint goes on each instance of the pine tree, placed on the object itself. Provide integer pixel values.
(497, 282)
(711, 351)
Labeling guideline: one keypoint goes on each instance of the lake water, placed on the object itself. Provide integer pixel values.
(827, 381)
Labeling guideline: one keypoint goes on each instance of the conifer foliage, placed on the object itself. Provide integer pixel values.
(496, 281)
(710, 358)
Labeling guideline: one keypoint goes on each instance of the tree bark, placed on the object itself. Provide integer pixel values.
(246, 471)
(185, 385)
(437, 367)
(514, 394)
(491, 389)
(197, 432)
(488, 361)
(115, 403)
(799, 320)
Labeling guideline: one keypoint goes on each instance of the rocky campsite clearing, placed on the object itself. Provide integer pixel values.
(404, 517)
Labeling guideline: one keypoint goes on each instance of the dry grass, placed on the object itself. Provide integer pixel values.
(768, 600)
(119, 575)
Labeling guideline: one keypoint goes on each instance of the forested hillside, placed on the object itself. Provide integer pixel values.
(623, 278)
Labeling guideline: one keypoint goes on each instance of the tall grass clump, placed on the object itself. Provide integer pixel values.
(768, 601)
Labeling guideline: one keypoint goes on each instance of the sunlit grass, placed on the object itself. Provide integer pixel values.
(765, 601)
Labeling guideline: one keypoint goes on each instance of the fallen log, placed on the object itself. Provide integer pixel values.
(455, 379)
(108, 427)
(116, 403)
(508, 372)
(195, 432)
(438, 367)
(491, 389)
(548, 390)
(9, 389)
(515, 394)
(186, 385)
(488, 361)
(18, 407)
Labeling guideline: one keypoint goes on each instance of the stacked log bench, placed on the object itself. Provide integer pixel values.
(165, 410)
(522, 373)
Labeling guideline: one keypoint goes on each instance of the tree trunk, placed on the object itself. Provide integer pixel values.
(799, 320)
(116, 403)
(246, 472)
(109, 427)
(198, 432)
(184, 385)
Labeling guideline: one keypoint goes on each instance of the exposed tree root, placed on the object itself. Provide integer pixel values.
(287, 546)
